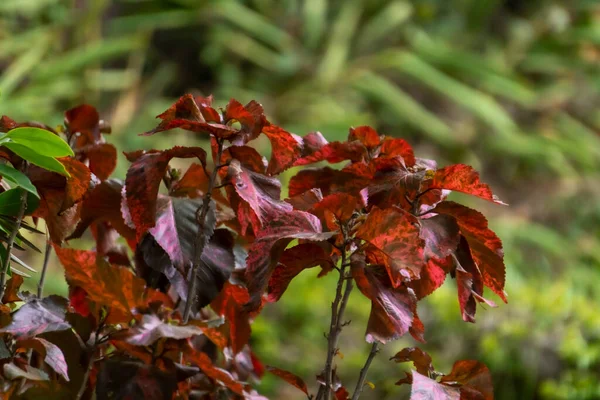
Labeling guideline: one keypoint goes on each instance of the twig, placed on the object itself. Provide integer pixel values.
(363, 372)
(11, 241)
(338, 308)
(40, 287)
(91, 361)
(201, 238)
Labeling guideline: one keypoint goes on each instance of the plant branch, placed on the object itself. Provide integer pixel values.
(91, 361)
(338, 308)
(40, 287)
(201, 238)
(363, 372)
(11, 241)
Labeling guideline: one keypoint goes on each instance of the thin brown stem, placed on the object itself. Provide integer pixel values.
(91, 361)
(201, 238)
(40, 287)
(11, 241)
(338, 308)
(363, 372)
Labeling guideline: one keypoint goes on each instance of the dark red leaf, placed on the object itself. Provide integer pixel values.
(351, 179)
(102, 159)
(78, 300)
(335, 152)
(7, 124)
(251, 117)
(38, 316)
(424, 388)
(151, 328)
(285, 149)
(120, 379)
(432, 276)
(293, 261)
(194, 183)
(103, 204)
(143, 181)
(84, 122)
(393, 310)
(289, 377)
(342, 394)
(485, 246)
(462, 178)
(230, 304)
(395, 242)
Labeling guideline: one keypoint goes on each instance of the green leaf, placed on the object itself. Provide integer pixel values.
(41, 141)
(49, 163)
(18, 178)
(10, 202)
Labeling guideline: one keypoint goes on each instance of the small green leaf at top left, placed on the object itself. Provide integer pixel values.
(41, 141)
(26, 153)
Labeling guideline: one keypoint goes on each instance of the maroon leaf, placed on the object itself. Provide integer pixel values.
(230, 304)
(366, 135)
(485, 246)
(38, 316)
(270, 242)
(393, 148)
(151, 328)
(424, 388)
(432, 276)
(395, 242)
(393, 310)
(441, 236)
(102, 159)
(84, 122)
(289, 377)
(335, 152)
(462, 178)
(143, 181)
(292, 262)
(221, 376)
(251, 117)
(53, 355)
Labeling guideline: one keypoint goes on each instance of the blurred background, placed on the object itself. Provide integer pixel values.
(511, 87)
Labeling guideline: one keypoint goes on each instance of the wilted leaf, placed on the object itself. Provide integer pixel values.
(289, 377)
(474, 378)
(420, 359)
(53, 355)
(151, 328)
(38, 316)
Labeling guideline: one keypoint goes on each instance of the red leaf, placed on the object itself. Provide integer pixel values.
(340, 205)
(395, 242)
(366, 135)
(53, 355)
(342, 394)
(78, 300)
(38, 316)
(462, 178)
(351, 179)
(83, 120)
(221, 376)
(105, 284)
(230, 304)
(485, 246)
(285, 149)
(290, 378)
(420, 359)
(6, 124)
(432, 276)
(251, 117)
(292, 262)
(335, 152)
(393, 310)
(102, 158)
(424, 388)
(143, 181)
(392, 148)
(151, 328)
(194, 183)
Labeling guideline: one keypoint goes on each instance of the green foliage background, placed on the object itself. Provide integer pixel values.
(511, 87)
